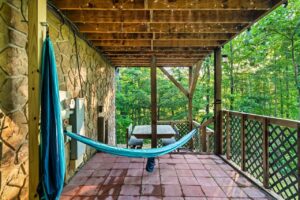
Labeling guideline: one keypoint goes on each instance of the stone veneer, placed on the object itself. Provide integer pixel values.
(97, 77)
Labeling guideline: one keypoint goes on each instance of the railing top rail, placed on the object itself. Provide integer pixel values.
(172, 121)
(195, 123)
(272, 120)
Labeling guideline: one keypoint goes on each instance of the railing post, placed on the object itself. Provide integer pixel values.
(298, 153)
(221, 133)
(243, 142)
(265, 147)
(203, 138)
(228, 142)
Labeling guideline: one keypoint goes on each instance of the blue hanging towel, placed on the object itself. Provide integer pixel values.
(52, 156)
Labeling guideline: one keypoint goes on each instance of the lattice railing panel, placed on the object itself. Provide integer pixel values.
(254, 152)
(283, 161)
(270, 142)
(235, 138)
(197, 142)
(224, 132)
(211, 143)
(183, 128)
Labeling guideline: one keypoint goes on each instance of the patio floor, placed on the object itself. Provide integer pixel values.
(176, 177)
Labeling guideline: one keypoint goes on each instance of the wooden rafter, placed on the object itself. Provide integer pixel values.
(176, 83)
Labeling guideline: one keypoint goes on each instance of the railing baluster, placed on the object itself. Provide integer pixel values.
(243, 142)
(265, 152)
(228, 143)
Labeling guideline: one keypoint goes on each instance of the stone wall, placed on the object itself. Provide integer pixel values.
(97, 86)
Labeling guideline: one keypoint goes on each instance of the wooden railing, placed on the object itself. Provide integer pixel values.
(203, 141)
(206, 136)
(265, 148)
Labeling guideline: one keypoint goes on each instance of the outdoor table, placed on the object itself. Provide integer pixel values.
(144, 131)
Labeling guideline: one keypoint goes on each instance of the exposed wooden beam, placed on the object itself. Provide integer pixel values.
(134, 50)
(195, 78)
(156, 49)
(163, 55)
(158, 60)
(176, 83)
(158, 36)
(153, 103)
(164, 16)
(159, 64)
(159, 5)
(177, 64)
(158, 43)
(37, 13)
(180, 27)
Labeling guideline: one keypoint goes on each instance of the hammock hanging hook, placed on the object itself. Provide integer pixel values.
(47, 27)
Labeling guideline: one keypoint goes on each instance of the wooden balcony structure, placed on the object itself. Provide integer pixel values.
(158, 34)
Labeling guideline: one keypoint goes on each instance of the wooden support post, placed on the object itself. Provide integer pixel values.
(265, 125)
(228, 142)
(298, 153)
(153, 103)
(243, 142)
(217, 99)
(37, 13)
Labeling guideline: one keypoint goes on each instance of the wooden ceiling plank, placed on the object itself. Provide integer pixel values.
(164, 16)
(161, 27)
(158, 36)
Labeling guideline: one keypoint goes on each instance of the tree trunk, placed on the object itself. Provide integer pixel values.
(231, 78)
(275, 97)
(207, 89)
(287, 90)
(296, 71)
(281, 99)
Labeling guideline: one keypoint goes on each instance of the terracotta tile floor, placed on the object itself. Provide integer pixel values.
(176, 177)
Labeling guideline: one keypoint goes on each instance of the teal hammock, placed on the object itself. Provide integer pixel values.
(134, 153)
